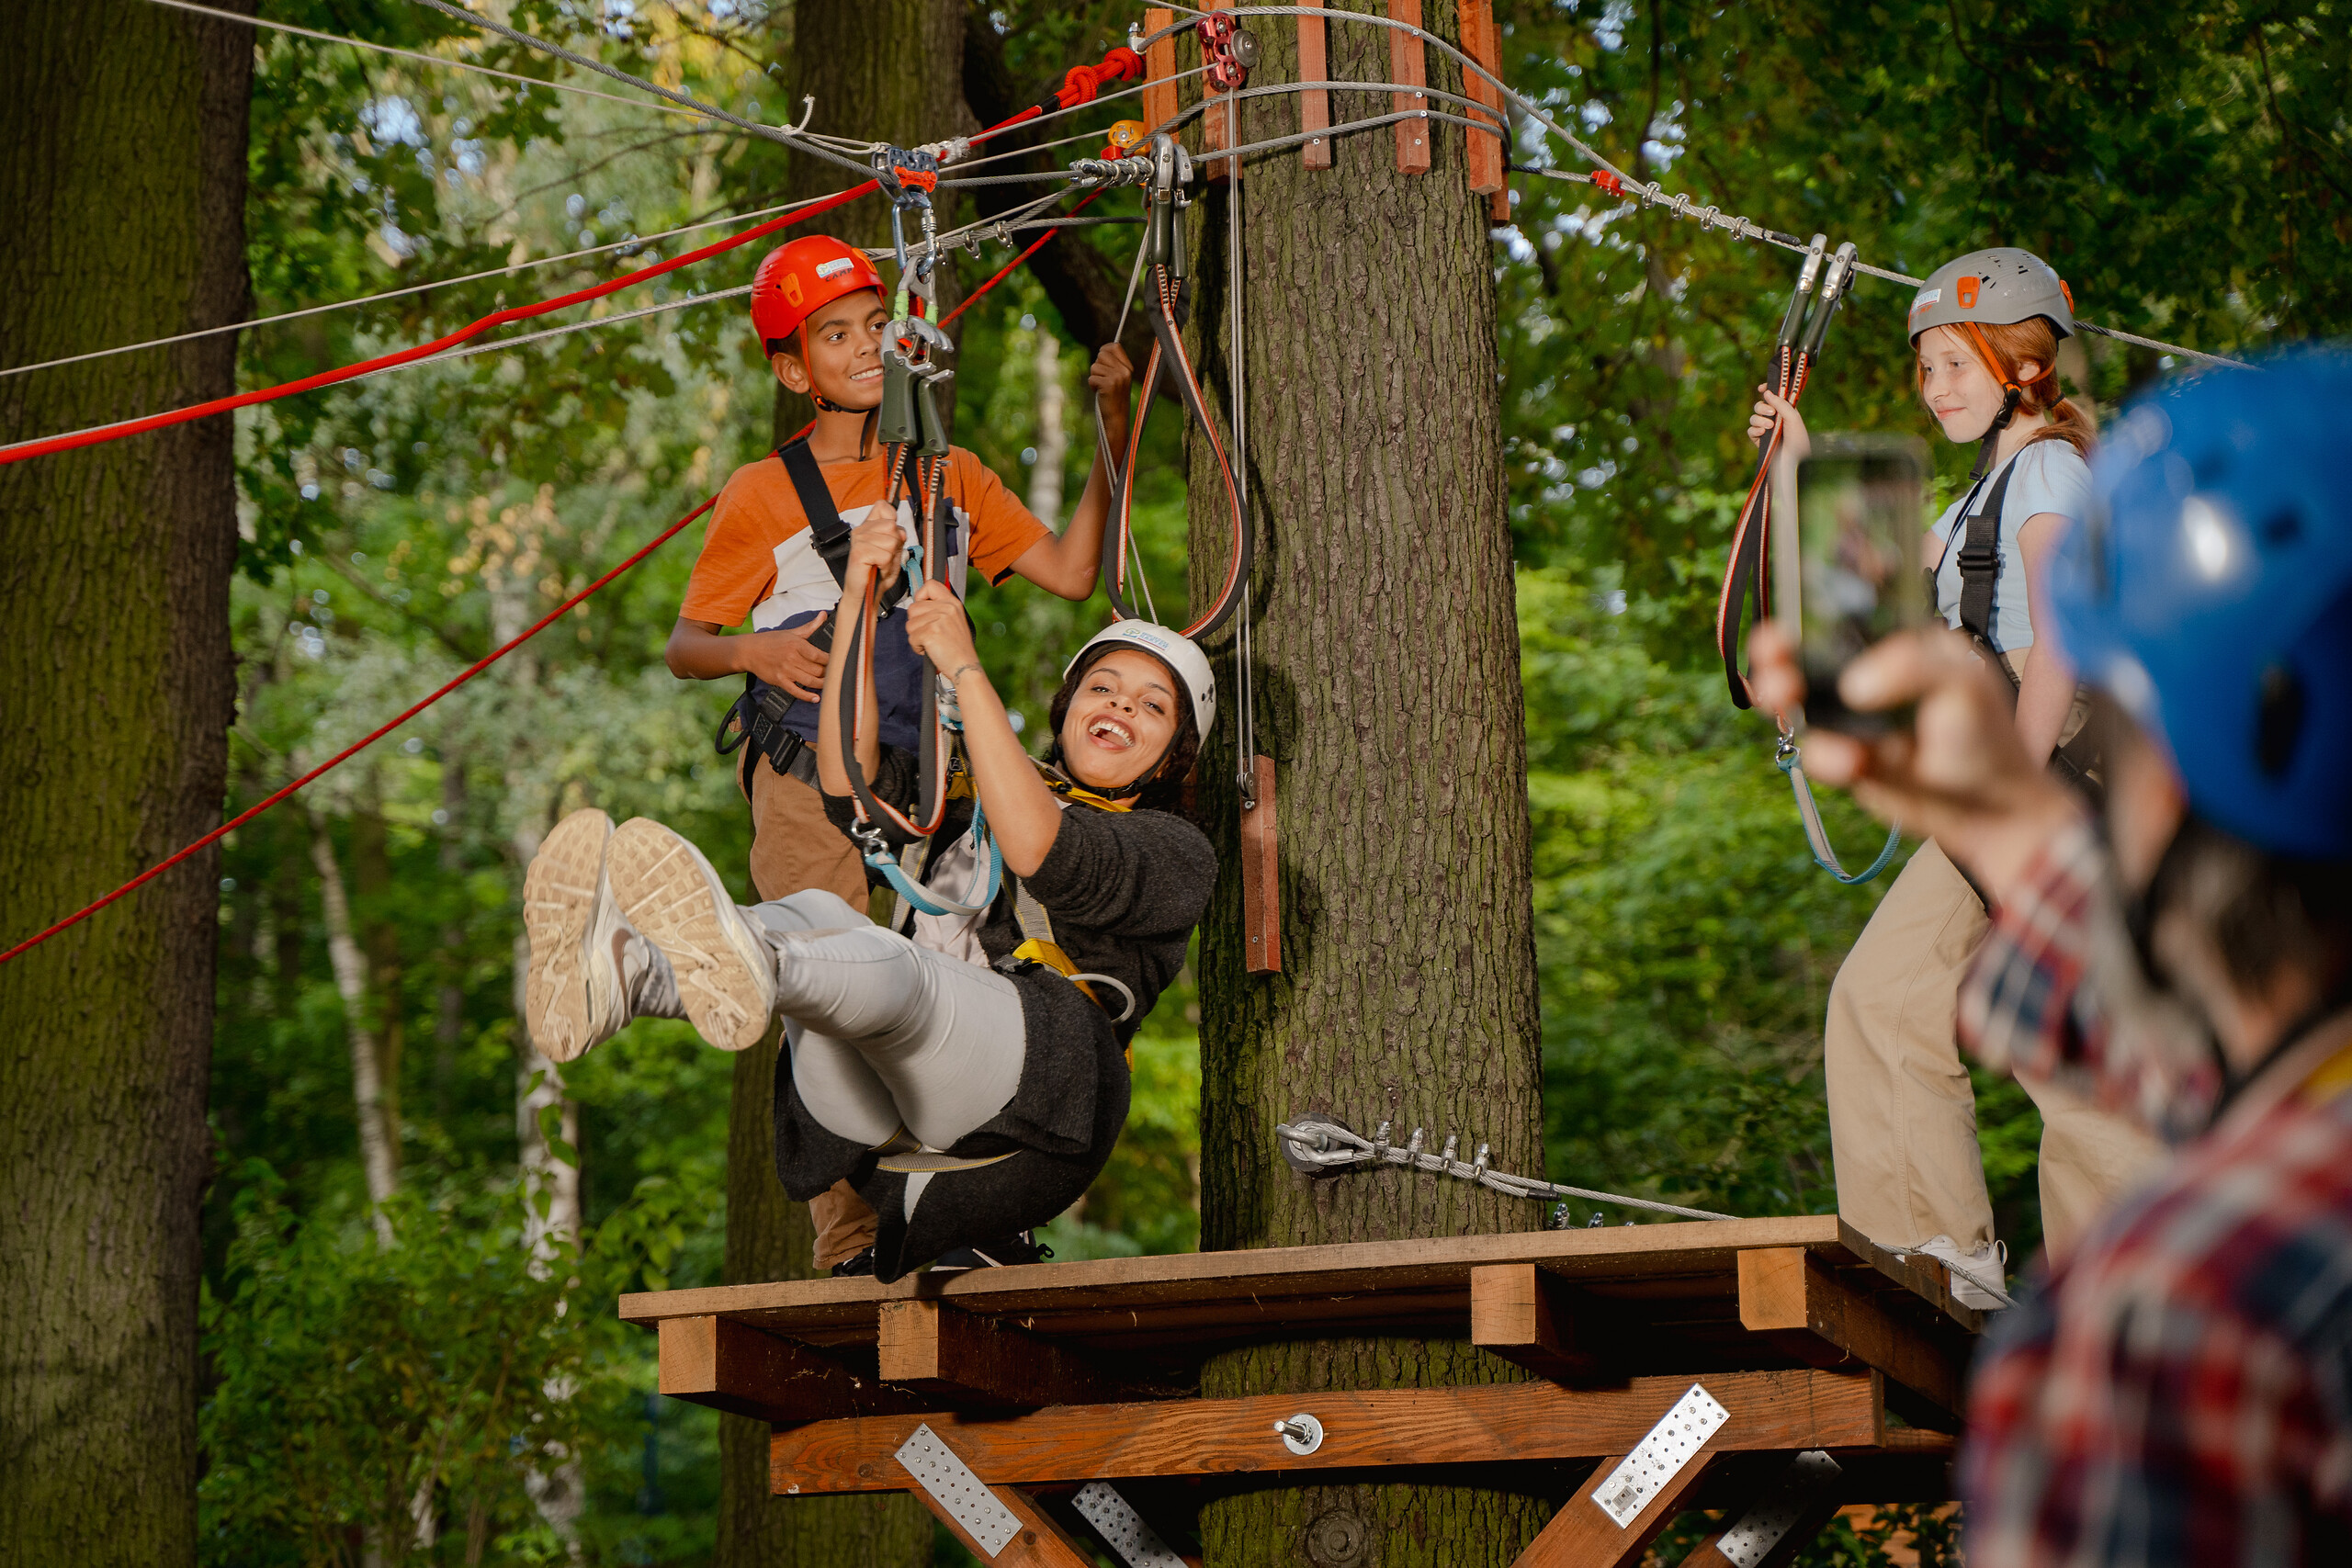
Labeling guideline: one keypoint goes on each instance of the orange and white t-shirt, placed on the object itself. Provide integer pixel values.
(758, 562)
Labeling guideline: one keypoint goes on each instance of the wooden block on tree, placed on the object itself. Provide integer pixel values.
(1314, 103)
(1482, 41)
(1408, 68)
(1261, 900)
(1481, 1424)
(733, 1367)
(1788, 1297)
(1160, 73)
(1527, 1314)
(952, 1355)
(1220, 122)
(1581, 1536)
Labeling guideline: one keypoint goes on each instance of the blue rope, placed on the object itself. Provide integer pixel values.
(906, 887)
(1786, 761)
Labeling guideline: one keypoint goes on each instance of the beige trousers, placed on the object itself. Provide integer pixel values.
(795, 846)
(1902, 1115)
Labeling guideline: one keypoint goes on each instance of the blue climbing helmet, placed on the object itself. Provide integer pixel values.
(2209, 591)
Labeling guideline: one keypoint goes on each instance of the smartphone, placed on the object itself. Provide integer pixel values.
(1847, 557)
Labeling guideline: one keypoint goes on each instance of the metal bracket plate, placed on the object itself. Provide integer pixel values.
(964, 1496)
(1659, 1457)
(1759, 1530)
(1117, 1521)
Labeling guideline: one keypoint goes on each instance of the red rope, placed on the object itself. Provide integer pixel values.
(492, 657)
(116, 432)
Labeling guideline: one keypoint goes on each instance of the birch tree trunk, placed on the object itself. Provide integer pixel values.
(890, 70)
(1053, 433)
(124, 181)
(1387, 690)
(378, 1157)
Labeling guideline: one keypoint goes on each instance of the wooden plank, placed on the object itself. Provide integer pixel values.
(934, 1349)
(1787, 1296)
(733, 1367)
(1216, 119)
(1159, 72)
(1803, 1498)
(1262, 898)
(1581, 1536)
(1520, 1312)
(1040, 1543)
(1917, 1273)
(1118, 1285)
(1809, 1525)
(1483, 151)
(1315, 104)
(1408, 68)
(1490, 1423)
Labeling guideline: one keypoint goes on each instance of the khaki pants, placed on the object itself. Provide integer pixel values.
(794, 847)
(1902, 1115)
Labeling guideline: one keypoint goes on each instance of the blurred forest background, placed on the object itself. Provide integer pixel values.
(2184, 164)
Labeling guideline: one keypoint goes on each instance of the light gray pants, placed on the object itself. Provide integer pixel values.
(885, 1033)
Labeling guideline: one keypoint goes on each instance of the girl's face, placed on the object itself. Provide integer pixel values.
(1122, 720)
(1959, 391)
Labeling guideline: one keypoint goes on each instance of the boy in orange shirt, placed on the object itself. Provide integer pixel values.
(819, 310)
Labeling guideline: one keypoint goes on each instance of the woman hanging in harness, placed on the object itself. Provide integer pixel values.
(1902, 1114)
(965, 1102)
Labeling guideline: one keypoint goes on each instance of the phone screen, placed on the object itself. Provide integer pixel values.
(1860, 512)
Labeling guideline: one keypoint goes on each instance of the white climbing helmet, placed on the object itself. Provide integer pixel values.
(1994, 287)
(1180, 653)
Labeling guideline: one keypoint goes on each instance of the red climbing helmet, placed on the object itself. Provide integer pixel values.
(797, 278)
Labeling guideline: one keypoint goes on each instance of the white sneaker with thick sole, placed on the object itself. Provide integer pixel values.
(572, 994)
(1979, 1279)
(725, 973)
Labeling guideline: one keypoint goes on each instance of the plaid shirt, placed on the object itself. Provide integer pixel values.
(2180, 1391)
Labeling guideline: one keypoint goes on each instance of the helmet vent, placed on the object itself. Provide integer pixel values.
(2279, 723)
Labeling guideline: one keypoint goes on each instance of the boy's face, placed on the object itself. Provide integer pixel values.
(845, 344)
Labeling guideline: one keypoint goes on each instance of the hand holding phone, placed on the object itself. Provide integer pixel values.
(1846, 560)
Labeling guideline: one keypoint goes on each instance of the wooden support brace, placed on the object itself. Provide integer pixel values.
(1220, 124)
(733, 1367)
(1034, 1540)
(1314, 105)
(1159, 72)
(1788, 1298)
(938, 1349)
(1484, 1423)
(1582, 1535)
(1799, 1512)
(1408, 67)
(1262, 898)
(1482, 41)
(1524, 1314)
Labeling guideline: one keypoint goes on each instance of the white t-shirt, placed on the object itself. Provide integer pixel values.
(2051, 477)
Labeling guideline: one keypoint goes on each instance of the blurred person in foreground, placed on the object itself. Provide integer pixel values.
(2178, 1390)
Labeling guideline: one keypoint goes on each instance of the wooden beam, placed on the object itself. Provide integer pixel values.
(1042, 1544)
(1487, 1423)
(1408, 68)
(1799, 1503)
(1581, 1536)
(1790, 1299)
(1261, 900)
(1219, 121)
(1482, 41)
(1314, 105)
(934, 1349)
(733, 1367)
(1526, 1315)
(1159, 71)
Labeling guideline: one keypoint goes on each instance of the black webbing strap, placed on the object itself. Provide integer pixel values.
(756, 720)
(1980, 561)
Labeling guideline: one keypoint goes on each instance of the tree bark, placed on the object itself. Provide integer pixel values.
(124, 180)
(379, 1159)
(884, 70)
(1387, 691)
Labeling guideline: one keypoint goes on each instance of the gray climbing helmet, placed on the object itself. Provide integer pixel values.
(1994, 287)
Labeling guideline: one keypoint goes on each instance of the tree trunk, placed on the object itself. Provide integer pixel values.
(887, 70)
(1053, 432)
(1387, 691)
(125, 180)
(378, 1157)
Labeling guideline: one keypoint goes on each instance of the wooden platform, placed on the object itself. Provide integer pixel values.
(1055, 1374)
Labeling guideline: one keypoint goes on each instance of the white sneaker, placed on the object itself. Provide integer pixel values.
(572, 994)
(1979, 1279)
(724, 971)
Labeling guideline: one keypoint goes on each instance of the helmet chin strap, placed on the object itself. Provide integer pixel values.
(1060, 765)
(2012, 393)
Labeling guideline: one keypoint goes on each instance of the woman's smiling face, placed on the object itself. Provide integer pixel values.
(1121, 721)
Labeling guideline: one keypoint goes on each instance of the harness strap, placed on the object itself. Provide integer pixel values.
(1979, 561)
